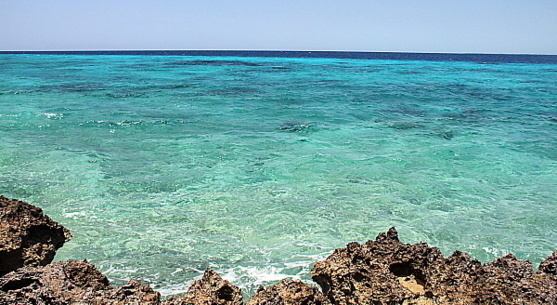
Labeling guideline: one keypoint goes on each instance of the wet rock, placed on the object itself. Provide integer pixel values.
(288, 292)
(386, 271)
(27, 236)
(211, 289)
(70, 282)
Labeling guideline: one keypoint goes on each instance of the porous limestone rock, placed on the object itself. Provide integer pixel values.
(386, 271)
(70, 282)
(380, 272)
(549, 265)
(27, 236)
(289, 292)
(211, 289)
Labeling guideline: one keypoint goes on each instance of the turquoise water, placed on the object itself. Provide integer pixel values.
(163, 166)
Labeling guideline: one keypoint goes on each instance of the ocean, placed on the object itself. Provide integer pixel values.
(257, 164)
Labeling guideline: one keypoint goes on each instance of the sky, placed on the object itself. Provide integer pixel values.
(438, 26)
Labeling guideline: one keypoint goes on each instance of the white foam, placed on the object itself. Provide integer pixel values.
(495, 251)
(264, 275)
(176, 271)
(75, 215)
(172, 290)
(52, 115)
(127, 123)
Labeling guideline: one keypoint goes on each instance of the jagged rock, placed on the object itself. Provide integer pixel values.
(288, 292)
(70, 282)
(386, 271)
(510, 281)
(211, 289)
(27, 236)
(549, 265)
(131, 293)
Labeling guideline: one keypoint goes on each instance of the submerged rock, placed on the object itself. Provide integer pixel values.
(70, 282)
(27, 236)
(386, 271)
(211, 289)
(295, 126)
(289, 292)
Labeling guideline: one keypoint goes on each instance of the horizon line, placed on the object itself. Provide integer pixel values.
(277, 50)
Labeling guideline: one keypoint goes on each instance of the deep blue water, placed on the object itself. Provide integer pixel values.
(479, 58)
(256, 164)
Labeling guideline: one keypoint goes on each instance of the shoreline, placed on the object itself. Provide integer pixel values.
(381, 271)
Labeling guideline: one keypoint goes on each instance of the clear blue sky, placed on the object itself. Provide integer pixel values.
(464, 26)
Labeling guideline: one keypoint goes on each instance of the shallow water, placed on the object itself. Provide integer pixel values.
(163, 166)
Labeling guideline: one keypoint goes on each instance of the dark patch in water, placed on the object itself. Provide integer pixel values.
(125, 95)
(273, 69)
(72, 87)
(330, 81)
(215, 63)
(407, 111)
(175, 86)
(295, 126)
(233, 91)
(359, 180)
(533, 81)
(411, 72)
(405, 125)
(477, 93)
(445, 134)
(73, 69)
(468, 116)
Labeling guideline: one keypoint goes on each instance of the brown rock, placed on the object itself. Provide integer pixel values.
(211, 289)
(549, 265)
(27, 236)
(288, 292)
(131, 293)
(510, 281)
(386, 271)
(70, 282)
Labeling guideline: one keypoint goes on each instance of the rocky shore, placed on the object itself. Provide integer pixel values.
(383, 271)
